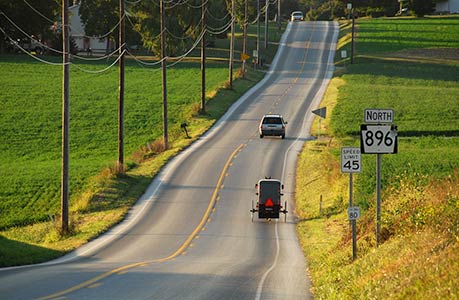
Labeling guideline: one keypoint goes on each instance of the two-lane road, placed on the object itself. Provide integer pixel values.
(191, 236)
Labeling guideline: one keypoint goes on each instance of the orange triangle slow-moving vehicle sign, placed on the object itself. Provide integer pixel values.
(269, 202)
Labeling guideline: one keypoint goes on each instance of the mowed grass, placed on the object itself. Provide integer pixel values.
(30, 163)
(423, 97)
(30, 143)
(393, 34)
(418, 255)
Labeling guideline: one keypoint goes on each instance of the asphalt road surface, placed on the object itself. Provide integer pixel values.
(191, 235)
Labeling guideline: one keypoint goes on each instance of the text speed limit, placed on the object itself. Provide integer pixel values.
(375, 139)
(350, 160)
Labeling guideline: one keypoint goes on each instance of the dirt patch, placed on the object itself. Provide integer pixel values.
(429, 53)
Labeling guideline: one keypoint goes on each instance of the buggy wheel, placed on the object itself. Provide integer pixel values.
(285, 212)
(251, 211)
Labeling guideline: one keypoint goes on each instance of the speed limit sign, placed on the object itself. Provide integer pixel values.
(378, 139)
(353, 213)
(350, 160)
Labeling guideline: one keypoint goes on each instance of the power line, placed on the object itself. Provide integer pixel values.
(184, 37)
(59, 64)
(38, 12)
(71, 28)
(99, 57)
(143, 62)
(215, 18)
(102, 70)
(27, 52)
(198, 6)
(180, 58)
(220, 29)
(142, 35)
(50, 48)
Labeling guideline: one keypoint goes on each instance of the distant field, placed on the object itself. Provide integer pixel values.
(30, 143)
(423, 96)
(389, 35)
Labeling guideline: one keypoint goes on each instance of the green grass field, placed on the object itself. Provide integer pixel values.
(30, 146)
(385, 36)
(423, 95)
(420, 199)
(389, 35)
(31, 125)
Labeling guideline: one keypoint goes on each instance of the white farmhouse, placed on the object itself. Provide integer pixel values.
(77, 32)
(447, 6)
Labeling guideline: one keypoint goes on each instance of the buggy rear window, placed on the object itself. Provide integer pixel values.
(270, 189)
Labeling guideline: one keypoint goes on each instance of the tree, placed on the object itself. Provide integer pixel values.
(34, 17)
(100, 17)
(183, 23)
(422, 7)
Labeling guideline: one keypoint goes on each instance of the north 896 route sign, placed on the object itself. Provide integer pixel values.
(378, 139)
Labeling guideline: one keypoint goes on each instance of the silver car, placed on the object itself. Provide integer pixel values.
(296, 16)
(272, 125)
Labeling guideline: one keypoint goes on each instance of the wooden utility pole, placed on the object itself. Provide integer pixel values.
(244, 45)
(121, 93)
(163, 67)
(352, 36)
(258, 32)
(279, 27)
(231, 54)
(65, 119)
(203, 57)
(266, 24)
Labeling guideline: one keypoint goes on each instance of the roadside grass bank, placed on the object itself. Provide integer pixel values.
(418, 257)
(30, 146)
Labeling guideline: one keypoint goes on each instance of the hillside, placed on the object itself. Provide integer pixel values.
(410, 66)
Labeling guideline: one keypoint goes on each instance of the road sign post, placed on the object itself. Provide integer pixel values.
(378, 137)
(322, 113)
(351, 163)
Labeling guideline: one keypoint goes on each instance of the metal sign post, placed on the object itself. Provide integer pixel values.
(322, 113)
(378, 199)
(351, 163)
(378, 137)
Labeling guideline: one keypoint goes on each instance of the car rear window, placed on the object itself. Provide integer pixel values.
(272, 120)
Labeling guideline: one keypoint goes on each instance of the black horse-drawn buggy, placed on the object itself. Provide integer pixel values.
(268, 204)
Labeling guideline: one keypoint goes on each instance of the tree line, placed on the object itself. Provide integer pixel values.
(41, 18)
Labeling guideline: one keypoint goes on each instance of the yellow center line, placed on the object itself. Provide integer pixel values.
(181, 250)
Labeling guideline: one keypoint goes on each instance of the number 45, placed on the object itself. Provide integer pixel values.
(352, 165)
